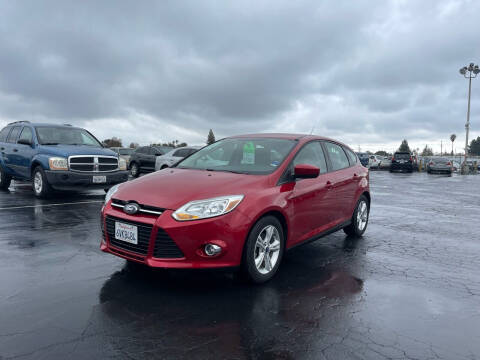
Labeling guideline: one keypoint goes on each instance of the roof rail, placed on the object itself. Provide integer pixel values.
(20, 121)
(67, 124)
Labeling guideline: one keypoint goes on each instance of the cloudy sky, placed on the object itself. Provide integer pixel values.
(369, 73)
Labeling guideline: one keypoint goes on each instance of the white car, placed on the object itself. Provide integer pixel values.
(174, 156)
(374, 161)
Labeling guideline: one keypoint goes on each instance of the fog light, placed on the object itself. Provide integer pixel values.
(212, 249)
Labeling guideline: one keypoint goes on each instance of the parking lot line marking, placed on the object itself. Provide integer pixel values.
(46, 205)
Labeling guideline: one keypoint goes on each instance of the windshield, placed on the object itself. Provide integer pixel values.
(51, 135)
(126, 151)
(241, 155)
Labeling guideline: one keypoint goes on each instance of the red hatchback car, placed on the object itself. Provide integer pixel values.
(242, 201)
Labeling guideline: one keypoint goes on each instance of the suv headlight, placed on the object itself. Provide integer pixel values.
(203, 209)
(58, 163)
(110, 192)
(122, 164)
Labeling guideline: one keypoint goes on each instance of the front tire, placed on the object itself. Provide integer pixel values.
(5, 180)
(41, 187)
(264, 249)
(359, 219)
(134, 170)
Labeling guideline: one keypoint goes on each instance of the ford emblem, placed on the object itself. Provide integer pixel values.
(131, 208)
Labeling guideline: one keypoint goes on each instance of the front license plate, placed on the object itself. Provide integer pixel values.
(402, 161)
(126, 232)
(99, 179)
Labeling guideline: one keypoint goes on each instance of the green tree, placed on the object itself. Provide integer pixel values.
(427, 151)
(404, 146)
(113, 142)
(475, 147)
(452, 139)
(210, 138)
(381, 153)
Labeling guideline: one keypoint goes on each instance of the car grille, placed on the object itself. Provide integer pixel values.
(93, 163)
(144, 232)
(165, 247)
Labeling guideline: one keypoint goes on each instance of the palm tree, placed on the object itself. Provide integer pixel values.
(452, 139)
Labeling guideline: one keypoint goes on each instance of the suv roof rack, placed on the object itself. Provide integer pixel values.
(18, 122)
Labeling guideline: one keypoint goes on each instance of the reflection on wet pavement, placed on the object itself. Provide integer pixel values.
(410, 288)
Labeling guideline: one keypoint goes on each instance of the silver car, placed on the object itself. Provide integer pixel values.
(174, 156)
(439, 165)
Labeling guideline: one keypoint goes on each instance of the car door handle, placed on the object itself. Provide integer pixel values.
(15, 150)
(329, 185)
(355, 176)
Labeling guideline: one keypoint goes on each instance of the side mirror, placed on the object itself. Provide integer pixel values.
(305, 171)
(24, 142)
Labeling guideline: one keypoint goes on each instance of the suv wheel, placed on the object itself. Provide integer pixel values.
(134, 170)
(264, 250)
(5, 180)
(359, 219)
(41, 187)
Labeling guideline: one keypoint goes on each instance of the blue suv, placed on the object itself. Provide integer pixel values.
(56, 157)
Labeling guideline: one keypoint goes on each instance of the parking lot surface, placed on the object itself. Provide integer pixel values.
(409, 289)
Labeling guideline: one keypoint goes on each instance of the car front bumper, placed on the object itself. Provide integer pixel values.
(190, 237)
(71, 180)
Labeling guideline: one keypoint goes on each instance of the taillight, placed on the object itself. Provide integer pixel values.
(411, 158)
(393, 159)
(431, 163)
(449, 163)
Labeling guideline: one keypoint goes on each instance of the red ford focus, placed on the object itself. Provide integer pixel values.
(242, 201)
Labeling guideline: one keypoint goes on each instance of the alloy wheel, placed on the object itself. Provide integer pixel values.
(134, 170)
(267, 249)
(38, 182)
(362, 215)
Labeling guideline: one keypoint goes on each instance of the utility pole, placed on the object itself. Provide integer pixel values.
(441, 147)
(469, 73)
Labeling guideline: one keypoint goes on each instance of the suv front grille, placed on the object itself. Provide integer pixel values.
(165, 247)
(144, 232)
(93, 163)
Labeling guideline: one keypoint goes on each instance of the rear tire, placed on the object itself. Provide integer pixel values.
(41, 187)
(5, 180)
(263, 250)
(134, 170)
(360, 217)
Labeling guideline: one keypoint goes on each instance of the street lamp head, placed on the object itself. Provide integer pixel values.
(463, 70)
(476, 70)
(470, 67)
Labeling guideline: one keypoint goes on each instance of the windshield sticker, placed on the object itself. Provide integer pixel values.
(248, 153)
(275, 163)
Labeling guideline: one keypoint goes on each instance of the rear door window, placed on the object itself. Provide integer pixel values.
(26, 134)
(338, 158)
(351, 156)
(4, 134)
(12, 138)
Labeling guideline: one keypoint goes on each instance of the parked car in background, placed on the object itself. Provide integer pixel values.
(144, 158)
(123, 153)
(456, 166)
(57, 157)
(385, 162)
(439, 165)
(363, 158)
(374, 161)
(270, 193)
(174, 156)
(402, 161)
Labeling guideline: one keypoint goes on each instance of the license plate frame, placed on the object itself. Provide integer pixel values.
(126, 232)
(99, 179)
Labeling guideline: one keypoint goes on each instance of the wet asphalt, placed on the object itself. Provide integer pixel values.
(409, 289)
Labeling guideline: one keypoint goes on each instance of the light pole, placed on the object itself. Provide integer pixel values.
(469, 73)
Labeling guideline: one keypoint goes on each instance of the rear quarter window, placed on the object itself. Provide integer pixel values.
(4, 134)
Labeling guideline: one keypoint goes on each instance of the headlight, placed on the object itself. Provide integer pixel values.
(110, 192)
(202, 209)
(122, 164)
(58, 163)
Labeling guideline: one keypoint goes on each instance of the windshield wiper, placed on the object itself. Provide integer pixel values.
(50, 143)
(230, 171)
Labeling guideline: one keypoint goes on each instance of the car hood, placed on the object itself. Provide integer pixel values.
(70, 150)
(172, 188)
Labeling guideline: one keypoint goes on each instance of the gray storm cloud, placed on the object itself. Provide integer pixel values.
(369, 73)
